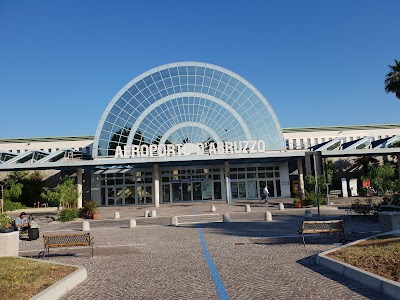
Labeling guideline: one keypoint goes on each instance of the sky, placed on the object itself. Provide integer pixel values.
(318, 63)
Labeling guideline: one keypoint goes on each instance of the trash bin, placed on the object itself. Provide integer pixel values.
(33, 231)
(33, 234)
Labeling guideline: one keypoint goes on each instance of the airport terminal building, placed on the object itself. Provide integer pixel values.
(192, 131)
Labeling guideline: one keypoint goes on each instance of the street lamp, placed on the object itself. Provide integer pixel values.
(316, 183)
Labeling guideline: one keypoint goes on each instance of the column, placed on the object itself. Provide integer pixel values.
(156, 176)
(227, 182)
(398, 164)
(301, 175)
(79, 185)
(307, 158)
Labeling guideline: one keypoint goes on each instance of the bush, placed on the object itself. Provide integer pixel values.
(67, 215)
(10, 205)
(310, 198)
(393, 200)
(89, 208)
(5, 221)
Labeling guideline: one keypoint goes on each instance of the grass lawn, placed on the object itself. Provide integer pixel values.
(23, 279)
(379, 256)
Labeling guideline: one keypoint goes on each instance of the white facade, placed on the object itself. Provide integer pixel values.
(304, 137)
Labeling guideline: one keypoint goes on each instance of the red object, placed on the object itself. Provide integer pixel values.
(366, 183)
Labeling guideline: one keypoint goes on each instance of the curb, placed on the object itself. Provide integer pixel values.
(378, 283)
(62, 286)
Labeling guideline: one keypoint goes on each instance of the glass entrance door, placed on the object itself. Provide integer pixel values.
(238, 189)
(252, 189)
(186, 191)
(197, 191)
(176, 192)
(166, 193)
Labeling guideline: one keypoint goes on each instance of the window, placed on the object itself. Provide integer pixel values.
(18, 151)
(301, 144)
(351, 139)
(49, 150)
(294, 144)
(315, 141)
(287, 144)
(323, 140)
(308, 143)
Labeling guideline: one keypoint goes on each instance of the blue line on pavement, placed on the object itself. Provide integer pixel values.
(219, 285)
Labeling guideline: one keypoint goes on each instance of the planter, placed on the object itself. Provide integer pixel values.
(297, 205)
(9, 243)
(95, 216)
(389, 221)
(6, 230)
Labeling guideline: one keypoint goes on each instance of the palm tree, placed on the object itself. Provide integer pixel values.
(392, 81)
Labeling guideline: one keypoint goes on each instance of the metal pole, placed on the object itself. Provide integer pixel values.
(2, 202)
(316, 184)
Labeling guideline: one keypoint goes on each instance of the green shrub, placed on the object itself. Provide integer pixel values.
(310, 198)
(67, 215)
(393, 200)
(5, 221)
(10, 205)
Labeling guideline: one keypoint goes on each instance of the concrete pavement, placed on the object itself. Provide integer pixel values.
(253, 259)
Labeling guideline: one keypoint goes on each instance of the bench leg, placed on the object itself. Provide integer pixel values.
(301, 236)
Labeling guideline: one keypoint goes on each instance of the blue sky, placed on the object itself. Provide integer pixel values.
(318, 63)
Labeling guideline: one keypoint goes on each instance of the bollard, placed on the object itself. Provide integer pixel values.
(268, 216)
(247, 208)
(212, 208)
(85, 226)
(174, 221)
(153, 214)
(281, 206)
(308, 214)
(132, 223)
(226, 218)
(146, 213)
(116, 215)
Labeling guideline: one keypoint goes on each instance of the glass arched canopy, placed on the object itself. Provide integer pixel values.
(187, 102)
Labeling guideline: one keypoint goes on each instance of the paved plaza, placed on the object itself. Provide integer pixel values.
(247, 258)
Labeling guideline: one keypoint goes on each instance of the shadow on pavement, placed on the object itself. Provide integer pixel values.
(310, 263)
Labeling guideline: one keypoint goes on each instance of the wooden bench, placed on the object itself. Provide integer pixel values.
(313, 227)
(335, 193)
(66, 240)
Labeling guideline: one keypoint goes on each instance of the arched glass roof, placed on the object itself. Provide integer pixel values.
(187, 102)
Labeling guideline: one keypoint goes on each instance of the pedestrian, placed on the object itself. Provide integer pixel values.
(22, 223)
(265, 194)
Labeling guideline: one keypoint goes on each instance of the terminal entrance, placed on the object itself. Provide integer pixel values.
(134, 187)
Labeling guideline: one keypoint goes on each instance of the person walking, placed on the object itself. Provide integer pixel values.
(265, 194)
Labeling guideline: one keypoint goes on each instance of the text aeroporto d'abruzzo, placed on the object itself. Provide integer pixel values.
(154, 150)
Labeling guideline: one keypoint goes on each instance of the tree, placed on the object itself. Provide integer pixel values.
(33, 186)
(392, 81)
(383, 178)
(365, 162)
(64, 194)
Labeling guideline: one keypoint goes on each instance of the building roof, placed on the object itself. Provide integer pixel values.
(187, 102)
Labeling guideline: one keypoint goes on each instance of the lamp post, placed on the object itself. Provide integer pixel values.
(316, 184)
